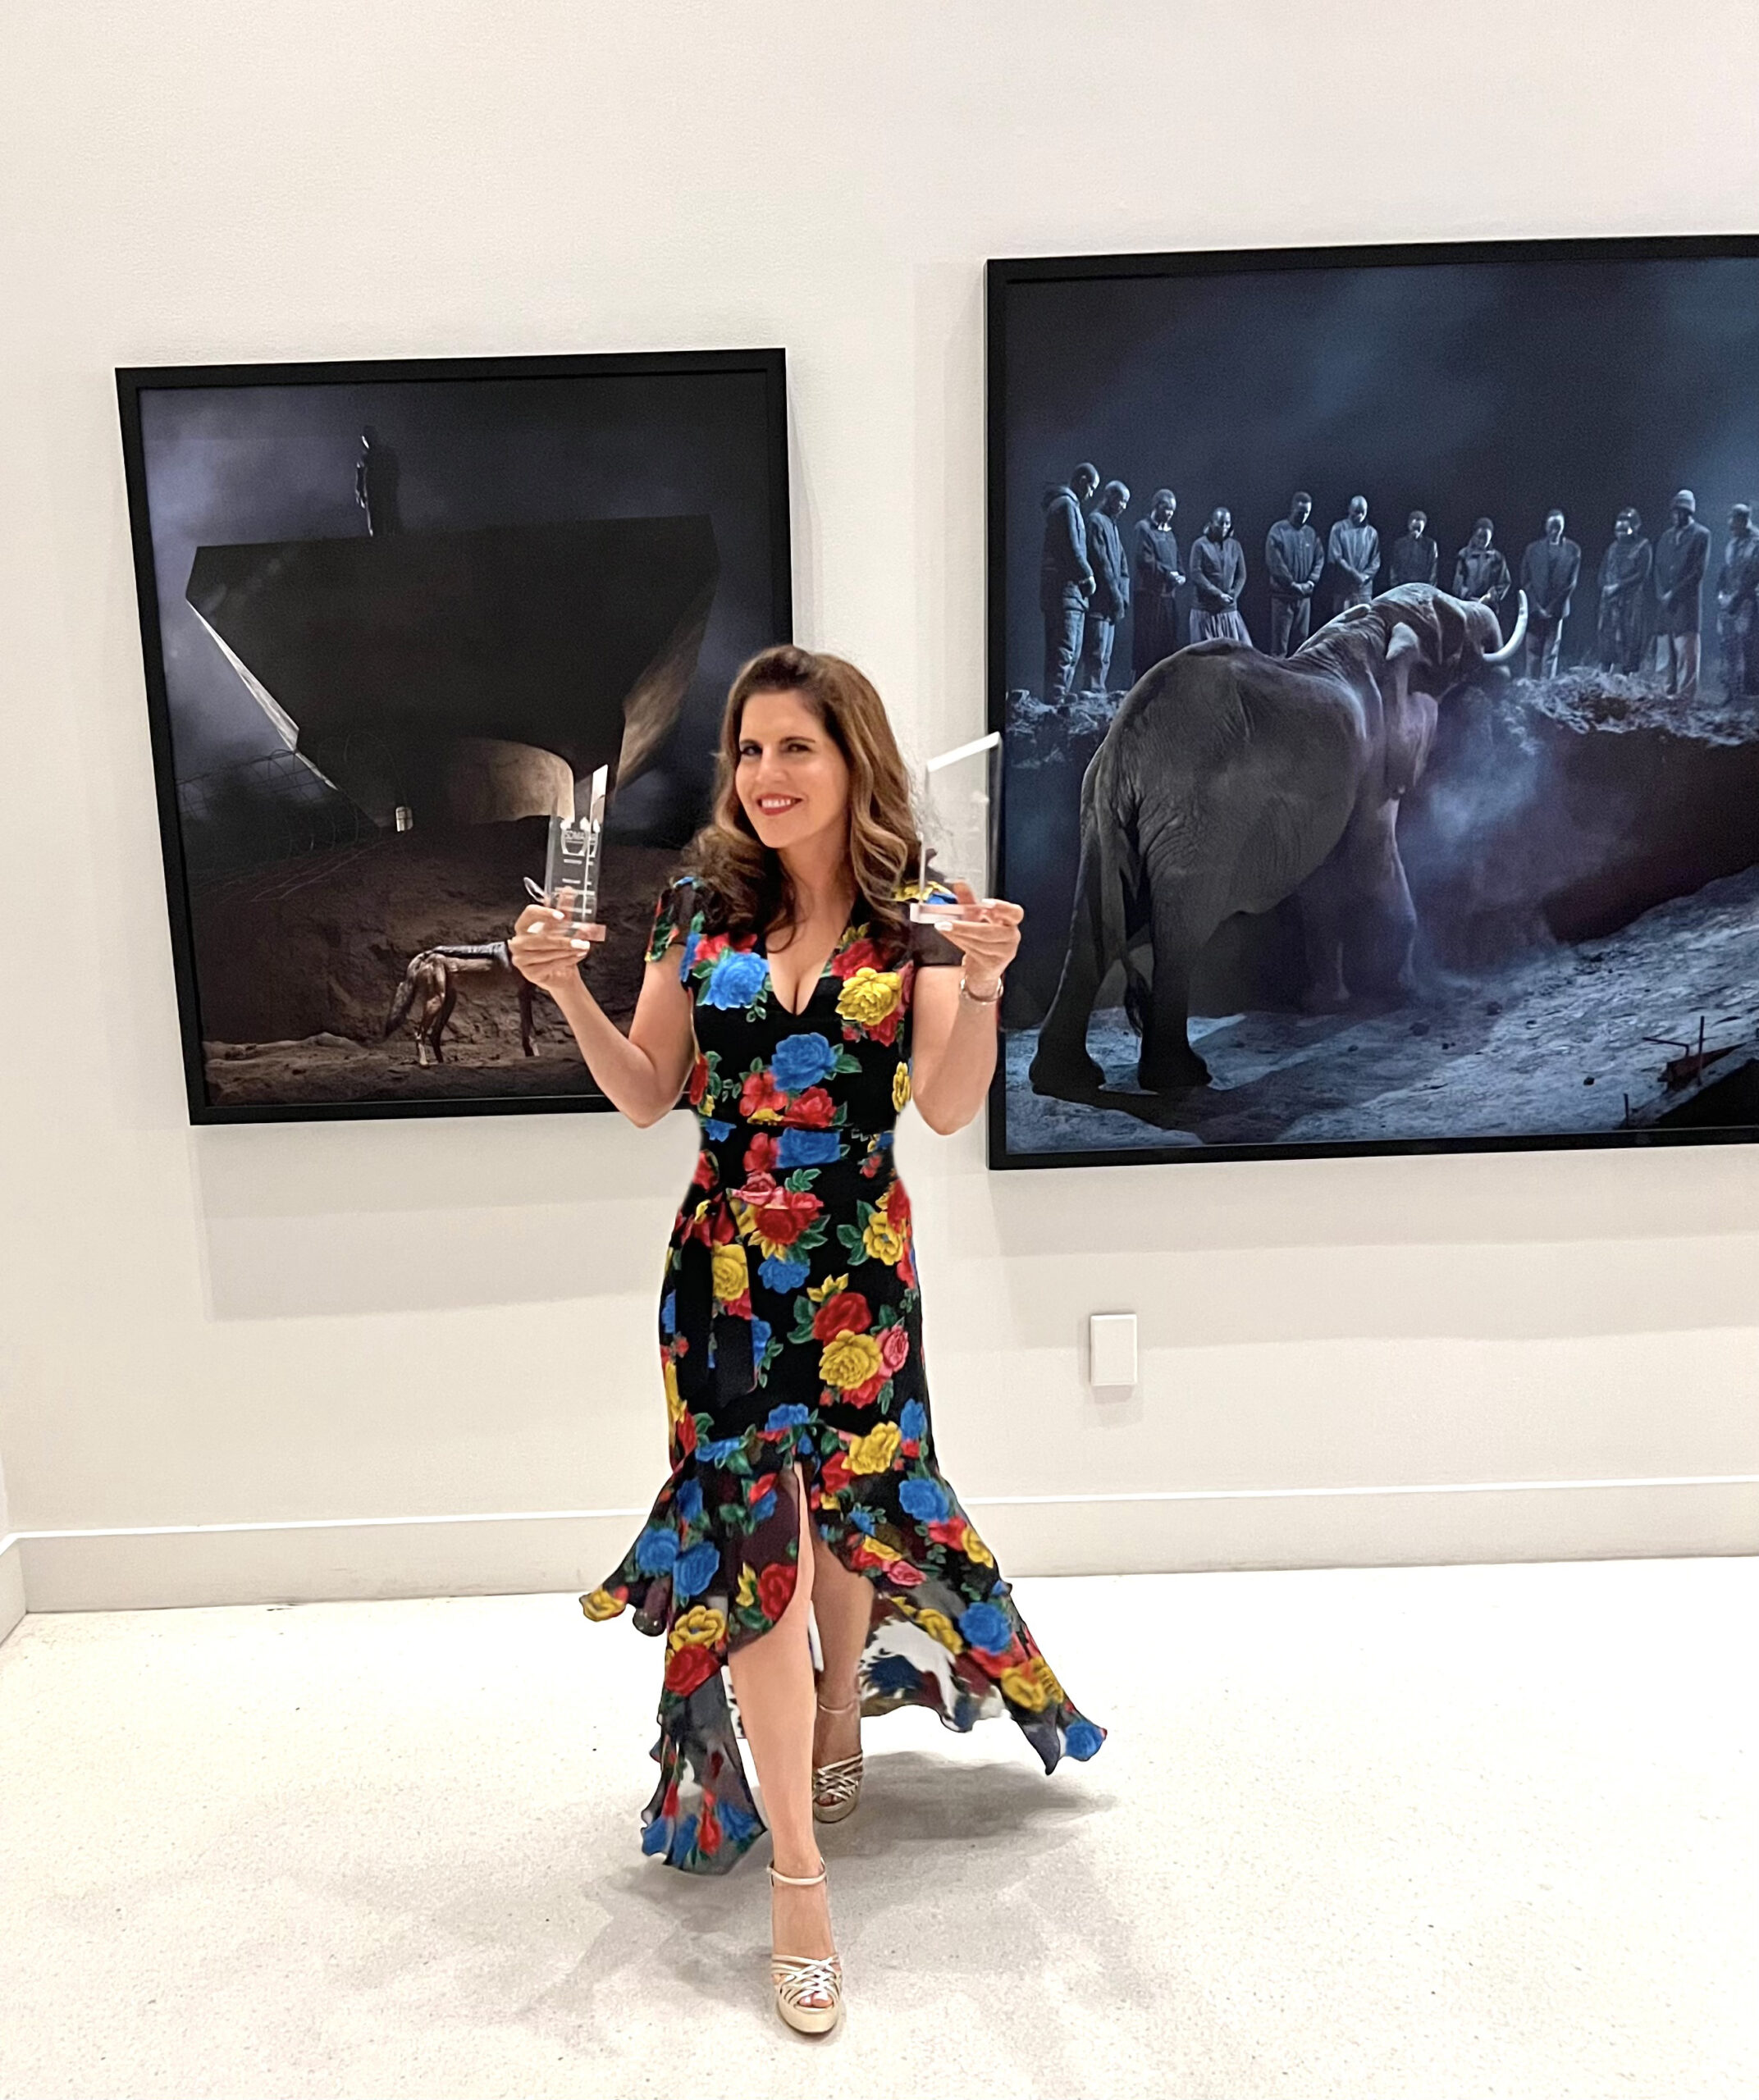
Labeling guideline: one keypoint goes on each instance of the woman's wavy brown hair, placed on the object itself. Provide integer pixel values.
(747, 888)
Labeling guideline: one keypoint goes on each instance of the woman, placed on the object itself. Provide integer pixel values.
(785, 983)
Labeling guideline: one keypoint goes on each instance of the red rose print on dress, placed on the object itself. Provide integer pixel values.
(688, 1667)
(847, 1313)
(775, 1588)
(759, 1097)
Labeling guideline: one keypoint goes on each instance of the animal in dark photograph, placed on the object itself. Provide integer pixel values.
(1229, 781)
(430, 990)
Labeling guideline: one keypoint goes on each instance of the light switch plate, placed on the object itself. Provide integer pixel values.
(1111, 1349)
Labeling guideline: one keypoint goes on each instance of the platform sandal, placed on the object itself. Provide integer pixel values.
(836, 1786)
(799, 1977)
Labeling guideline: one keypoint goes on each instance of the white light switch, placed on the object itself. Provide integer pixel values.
(1112, 1349)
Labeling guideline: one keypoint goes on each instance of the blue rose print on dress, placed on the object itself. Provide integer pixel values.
(689, 1501)
(807, 1148)
(693, 1570)
(656, 1551)
(781, 1274)
(789, 1414)
(984, 1627)
(735, 981)
(925, 1500)
(913, 1422)
(800, 1061)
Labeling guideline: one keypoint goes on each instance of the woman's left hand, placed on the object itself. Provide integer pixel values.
(987, 935)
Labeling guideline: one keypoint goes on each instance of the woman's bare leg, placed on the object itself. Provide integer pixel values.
(772, 1680)
(842, 1603)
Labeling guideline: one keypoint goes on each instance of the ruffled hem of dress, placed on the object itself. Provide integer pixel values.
(945, 1633)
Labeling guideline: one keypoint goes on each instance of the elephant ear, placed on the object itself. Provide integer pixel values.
(1409, 716)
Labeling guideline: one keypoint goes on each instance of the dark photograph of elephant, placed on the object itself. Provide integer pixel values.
(1375, 636)
(395, 617)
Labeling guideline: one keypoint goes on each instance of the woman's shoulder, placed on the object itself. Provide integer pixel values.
(680, 911)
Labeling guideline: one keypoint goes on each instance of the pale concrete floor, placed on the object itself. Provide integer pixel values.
(1436, 1833)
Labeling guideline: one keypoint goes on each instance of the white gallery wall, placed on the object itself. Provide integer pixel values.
(366, 1358)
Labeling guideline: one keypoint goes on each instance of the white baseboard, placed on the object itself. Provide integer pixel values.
(11, 1583)
(549, 1550)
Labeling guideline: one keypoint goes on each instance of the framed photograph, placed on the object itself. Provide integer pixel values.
(1373, 632)
(412, 630)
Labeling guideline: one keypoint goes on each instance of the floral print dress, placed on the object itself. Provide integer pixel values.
(790, 1330)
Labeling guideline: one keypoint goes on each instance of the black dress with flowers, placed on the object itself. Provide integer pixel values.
(790, 1330)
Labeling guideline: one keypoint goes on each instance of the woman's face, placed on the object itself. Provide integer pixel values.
(793, 782)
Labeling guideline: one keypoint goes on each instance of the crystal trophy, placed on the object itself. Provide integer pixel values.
(571, 864)
(959, 805)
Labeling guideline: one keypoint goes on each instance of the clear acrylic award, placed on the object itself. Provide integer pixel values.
(571, 864)
(959, 797)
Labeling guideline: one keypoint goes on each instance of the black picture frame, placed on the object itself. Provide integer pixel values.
(771, 619)
(1007, 277)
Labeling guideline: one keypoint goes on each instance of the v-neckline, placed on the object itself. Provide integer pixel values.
(798, 1013)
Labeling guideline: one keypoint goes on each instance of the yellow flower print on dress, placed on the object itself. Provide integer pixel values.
(940, 1627)
(974, 1550)
(700, 1626)
(731, 1278)
(875, 1452)
(601, 1603)
(883, 1239)
(900, 1089)
(674, 1400)
(819, 1292)
(1031, 1684)
(849, 1360)
(870, 995)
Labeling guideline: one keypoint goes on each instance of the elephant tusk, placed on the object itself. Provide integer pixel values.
(1506, 654)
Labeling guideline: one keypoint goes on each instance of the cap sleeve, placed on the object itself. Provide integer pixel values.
(678, 915)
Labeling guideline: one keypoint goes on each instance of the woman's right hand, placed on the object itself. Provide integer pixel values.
(545, 948)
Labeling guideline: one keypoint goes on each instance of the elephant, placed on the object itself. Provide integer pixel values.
(1230, 780)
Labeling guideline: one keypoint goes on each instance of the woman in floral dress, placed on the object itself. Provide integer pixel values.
(803, 1472)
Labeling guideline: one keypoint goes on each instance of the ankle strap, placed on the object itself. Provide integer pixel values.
(855, 1702)
(796, 1880)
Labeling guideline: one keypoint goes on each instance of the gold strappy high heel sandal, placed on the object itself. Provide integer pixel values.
(836, 1786)
(797, 1978)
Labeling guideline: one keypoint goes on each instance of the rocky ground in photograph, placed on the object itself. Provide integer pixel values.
(300, 962)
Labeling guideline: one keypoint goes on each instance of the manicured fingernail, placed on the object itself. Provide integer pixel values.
(580, 944)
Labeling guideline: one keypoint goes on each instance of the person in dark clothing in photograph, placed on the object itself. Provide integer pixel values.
(1737, 616)
(1155, 577)
(1549, 569)
(1682, 555)
(1479, 569)
(1218, 576)
(376, 479)
(1110, 598)
(1066, 579)
(1296, 560)
(1416, 559)
(1353, 549)
(1623, 593)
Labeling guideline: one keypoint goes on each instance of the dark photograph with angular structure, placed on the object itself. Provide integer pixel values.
(1375, 636)
(396, 617)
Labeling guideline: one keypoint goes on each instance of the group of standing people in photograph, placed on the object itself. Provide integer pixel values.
(1649, 610)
